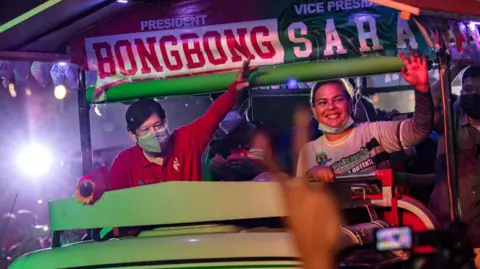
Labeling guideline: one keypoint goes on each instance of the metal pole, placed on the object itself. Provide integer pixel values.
(443, 59)
(84, 121)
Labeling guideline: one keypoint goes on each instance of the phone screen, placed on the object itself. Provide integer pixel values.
(393, 238)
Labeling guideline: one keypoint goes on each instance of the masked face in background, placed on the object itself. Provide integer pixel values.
(231, 121)
(470, 97)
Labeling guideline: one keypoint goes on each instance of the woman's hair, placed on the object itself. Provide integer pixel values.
(140, 111)
(340, 82)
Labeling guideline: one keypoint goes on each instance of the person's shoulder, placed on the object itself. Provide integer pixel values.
(185, 130)
(365, 125)
(127, 154)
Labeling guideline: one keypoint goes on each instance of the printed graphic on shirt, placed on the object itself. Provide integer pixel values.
(322, 159)
(355, 162)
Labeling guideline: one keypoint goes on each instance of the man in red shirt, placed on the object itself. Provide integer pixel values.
(160, 156)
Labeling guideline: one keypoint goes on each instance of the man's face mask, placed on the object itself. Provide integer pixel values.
(154, 142)
(470, 103)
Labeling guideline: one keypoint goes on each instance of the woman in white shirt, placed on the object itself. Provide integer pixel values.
(347, 147)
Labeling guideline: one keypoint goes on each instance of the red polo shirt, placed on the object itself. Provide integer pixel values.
(183, 162)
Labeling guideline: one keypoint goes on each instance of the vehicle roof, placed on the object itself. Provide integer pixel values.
(171, 203)
(169, 250)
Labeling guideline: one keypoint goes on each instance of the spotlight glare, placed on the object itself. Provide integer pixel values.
(60, 92)
(122, 1)
(35, 160)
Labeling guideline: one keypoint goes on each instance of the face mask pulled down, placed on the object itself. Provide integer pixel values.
(154, 142)
(470, 103)
(336, 130)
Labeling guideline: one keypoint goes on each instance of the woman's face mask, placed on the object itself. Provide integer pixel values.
(336, 130)
(470, 103)
(154, 142)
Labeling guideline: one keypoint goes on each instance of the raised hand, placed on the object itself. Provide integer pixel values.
(244, 74)
(415, 70)
(314, 219)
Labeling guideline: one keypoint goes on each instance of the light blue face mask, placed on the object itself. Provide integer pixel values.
(154, 142)
(336, 130)
(228, 124)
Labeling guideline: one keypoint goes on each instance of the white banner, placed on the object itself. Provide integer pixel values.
(180, 52)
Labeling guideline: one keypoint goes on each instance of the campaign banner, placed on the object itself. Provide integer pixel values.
(193, 37)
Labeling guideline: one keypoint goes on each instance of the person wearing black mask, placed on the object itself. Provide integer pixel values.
(467, 127)
(232, 138)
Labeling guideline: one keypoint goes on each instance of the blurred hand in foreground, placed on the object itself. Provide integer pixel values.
(314, 219)
(313, 215)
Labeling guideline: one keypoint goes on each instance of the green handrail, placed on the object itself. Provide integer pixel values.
(302, 72)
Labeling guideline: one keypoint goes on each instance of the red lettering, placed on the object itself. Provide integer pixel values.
(240, 46)
(218, 48)
(267, 44)
(148, 55)
(131, 57)
(189, 52)
(175, 54)
(104, 60)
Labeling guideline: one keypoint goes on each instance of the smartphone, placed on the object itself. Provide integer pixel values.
(397, 238)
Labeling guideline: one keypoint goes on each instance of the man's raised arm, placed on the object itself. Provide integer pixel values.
(207, 124)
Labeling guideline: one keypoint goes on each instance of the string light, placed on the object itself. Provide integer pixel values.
(60, 92)
(11, 90)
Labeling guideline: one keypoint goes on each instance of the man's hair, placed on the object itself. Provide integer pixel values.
(471, 72)
(140, 111)
(340, 82)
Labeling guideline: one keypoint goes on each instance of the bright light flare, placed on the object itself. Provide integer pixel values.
(11, 90)
(292, 84)
(60, 92)
(35, 160)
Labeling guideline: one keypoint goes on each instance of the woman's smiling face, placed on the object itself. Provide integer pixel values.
(331, 105)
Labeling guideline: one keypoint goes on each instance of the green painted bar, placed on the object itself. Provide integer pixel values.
(303, 72)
